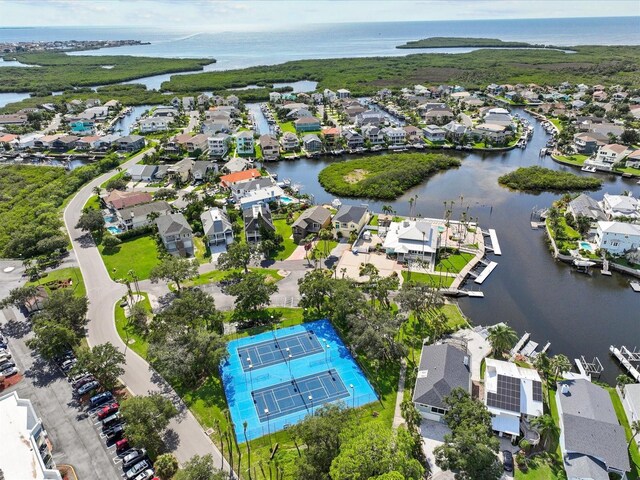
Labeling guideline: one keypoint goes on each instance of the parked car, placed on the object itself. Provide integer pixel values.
(77, 377)
(108, 410)
(82, 381)
(133, 457)
(87, 387)
(100, 399)
(139, 467)
(8, 372)
(122, 446)
(5, 354)
(68, 364)
(111, 420)
(7, 364)
(115, 432)
(146, 475)
(508, 460)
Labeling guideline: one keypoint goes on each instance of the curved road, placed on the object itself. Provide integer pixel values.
(188, 438)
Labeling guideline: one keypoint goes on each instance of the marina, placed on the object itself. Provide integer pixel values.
(629, 360)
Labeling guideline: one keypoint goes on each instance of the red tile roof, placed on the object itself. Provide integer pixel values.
(121, 200)
(225, 180)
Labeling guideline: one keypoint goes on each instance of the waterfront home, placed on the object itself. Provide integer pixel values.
(202, 101)
(384, 94)
(608, 155)
(353, 111)
(443, 367)
(633, 159)
(217, 115)
(8, 140)
(219, 145)
(176, 234)
(455, 131)
(412, 240)
(117, 199)
(138, 215)
(27, 141)
(413, 134)
(217, 227)
(373, 134)
(353, 138)
(631, 403)
(498, 116)
(230, 180)
(587, 143)
(312, 143)
(216, 126)
(370, 117)
(197, 142)
(317, 98)
(188, 103)
(617, 238)
(343, 93)
(140, 172)
(620, 206)
(14, 119)
(329, 95)
(394, 135)
(270, 147)
(439, 116)
(261, 194)
(585, 206)
(350, 218)
(83, 127)
(236, 164)
(239, 189)
(65, 143)
(107, 141)
(592, 442)
(257, 218)
(490, 131)
(331, 136)
(290, 141)
(154, 124)
(310, 222)
(299, 113)
(307, 124)
(245, 144)
(232, 100)
(434, 133)
(130, 143)
(87, 143)
(200, 170)
(512, 394)
(275, 97)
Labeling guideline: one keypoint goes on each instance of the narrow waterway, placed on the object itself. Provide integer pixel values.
(577, 313)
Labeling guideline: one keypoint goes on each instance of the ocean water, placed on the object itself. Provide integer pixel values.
(244, 49)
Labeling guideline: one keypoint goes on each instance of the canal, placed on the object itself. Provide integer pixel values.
(529, 290)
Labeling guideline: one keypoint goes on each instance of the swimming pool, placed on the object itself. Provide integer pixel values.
(284, 199)
(110, 219)
(114, 230)
(586, 246)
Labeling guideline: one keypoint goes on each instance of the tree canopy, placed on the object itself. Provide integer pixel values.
(174, 269)
(146, 419)
(105, 362)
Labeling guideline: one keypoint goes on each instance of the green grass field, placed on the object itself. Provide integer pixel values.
(429, 278)
(74, 274)
(93, 202)
(454, 263)
(217, 275)
(128, 333)
(576, 159)
(138, 254)
(634, 452)
(288, 245)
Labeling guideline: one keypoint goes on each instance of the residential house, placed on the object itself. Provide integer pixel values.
(235, 165)
(256, 219)
(266, 195)
(181, 171)
(608, 155)
(631, 403)
(107, 141)
(176, 234)
(14, 119)
(633, 159)
(490, 131)
(197, 142)
(617, 238)
(65, 143)
(154, 124)
(329, 95)
(202, 101)
(117, 199)
(585, 206)
(168, 112)
(217, 227)
(307, 124)
(620, 206)
(83, 127)
(592, 442)
(370, 117)
(412, 240)
(228, 181)
(455, 131)
(439, 116)
(290, 142)
(161, 172)
(130, 143)
(443, 368)
(140, 172)
(512, 394)
(244, 143)
(434, 133)
(240, 189)
(138, 215)
(350, 218)
(310, 222)
(331, 136)
(312, 143)
(275, 97)
(216, 126)
(188, 103)
(299, 113)
(343, 93)
(200, 170)
(270, 147)
(373, 134)
(27, 141)
(219, 145)
(498, 116)
(88, 143)
(394, 135)
(232, 100)
(353, 139)
(413, 134)
(587, 143)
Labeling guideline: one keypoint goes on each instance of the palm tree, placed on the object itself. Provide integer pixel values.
(244, 427)
(622, 380)
(387, 209)
(560, 364)
(635, 430)
(502, 338)
(325, 235)
(97, 191)
(546, 427)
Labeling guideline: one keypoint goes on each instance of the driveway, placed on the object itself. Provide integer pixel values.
(433, 433)
(71, 431)
(185, 435)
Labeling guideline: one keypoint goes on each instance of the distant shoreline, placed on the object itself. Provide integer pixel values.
(464, 42)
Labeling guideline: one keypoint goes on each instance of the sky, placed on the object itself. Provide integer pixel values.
(239, 14)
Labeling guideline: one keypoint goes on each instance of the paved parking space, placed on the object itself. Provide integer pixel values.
(71, 429)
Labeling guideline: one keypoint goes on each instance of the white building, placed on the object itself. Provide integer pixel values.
(24, 453)
(607, 156)
(434, 133)
(412, 240)
(261, 195)
(343, 93)
(618, 237)
(217, 227)
(394, 135)
(511, 393)
(154, 124)
(219, 144)
(618, 206)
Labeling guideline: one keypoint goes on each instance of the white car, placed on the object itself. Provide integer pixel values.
(8, 372)
(146, 475)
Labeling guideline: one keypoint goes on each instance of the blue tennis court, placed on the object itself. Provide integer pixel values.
(278, 349)
(298, 394)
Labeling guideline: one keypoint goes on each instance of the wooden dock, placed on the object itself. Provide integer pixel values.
(495, 245)
(485, 273)
(520, 344)
(623, 355)
(529, 348)
(581, 368)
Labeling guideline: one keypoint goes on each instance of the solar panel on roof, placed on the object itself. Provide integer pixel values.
(537, 391)
(507, 396)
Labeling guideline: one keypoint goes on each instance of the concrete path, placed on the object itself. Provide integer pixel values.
(398, 419)
(185, 433)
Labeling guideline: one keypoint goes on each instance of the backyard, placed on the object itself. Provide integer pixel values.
(429, 278)
(452, 262)
(138, 254)
(288, 245)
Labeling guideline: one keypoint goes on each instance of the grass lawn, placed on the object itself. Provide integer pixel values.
(374, 221)
(634, 456)
(138, 254)
(117, 175)
(288, 127)
(432, 279)
(576, 159)
(217, 275)
(128, 333)
(288, 245)
(202, 253)
(453, 263)
(64, 274)
(557, 123)
(93, 202)
(326, 246)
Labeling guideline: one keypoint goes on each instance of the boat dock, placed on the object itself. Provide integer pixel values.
(456, 292)
(485, 273)
(625, 357)
(527, 347)
(520, 343)
(495, 245)
(587, 369)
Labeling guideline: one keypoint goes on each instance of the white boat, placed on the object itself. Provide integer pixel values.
(588, 168)
(335, 203)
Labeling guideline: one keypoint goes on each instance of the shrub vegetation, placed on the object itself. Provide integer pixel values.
(541, 179)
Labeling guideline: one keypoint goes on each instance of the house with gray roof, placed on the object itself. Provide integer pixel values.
(217, 227)
(592, 442)
(442, 368)
(130, 143)
(256, 218)
(310, 222)
(236, 164)
(138, 216)
(350, 218)
(585, 206)
(631, 404)
(139, 172)
(176, 234)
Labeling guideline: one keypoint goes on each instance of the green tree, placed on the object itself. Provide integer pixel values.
(105, 362)
(635, 430)
(374, 333)
(19, 296)
(252, 292)
(166, 466)
(199, 468)
(502, 338)
(346, 299)
(64, 307)
(560, 364)
(622, 380)
(194, 309)
(314, 289)
(174, 269)
(109, 242)
(51, 338)
(117, 183)
(238, 255)
(547, 428)
(146, 418)
(91, 221)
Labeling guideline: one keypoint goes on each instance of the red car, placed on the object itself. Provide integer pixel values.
(122, 445)
(107, 410)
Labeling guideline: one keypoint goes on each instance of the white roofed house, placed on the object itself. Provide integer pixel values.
(620, 206)
(490, 131)
(434, 133)
(219, 145)
(607, 156)
(412, 240)
(217, 227)
(140, 172)
(176, 234)
(343, 93)
(154, 124)
(394, 135)
(139, 215)
(618, 238)
(455, 131)
(275, 97)
(373, 134)
(513, 394)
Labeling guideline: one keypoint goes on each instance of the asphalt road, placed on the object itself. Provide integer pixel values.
(185, 437)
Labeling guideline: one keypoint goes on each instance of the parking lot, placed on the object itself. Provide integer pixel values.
(72, 431)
